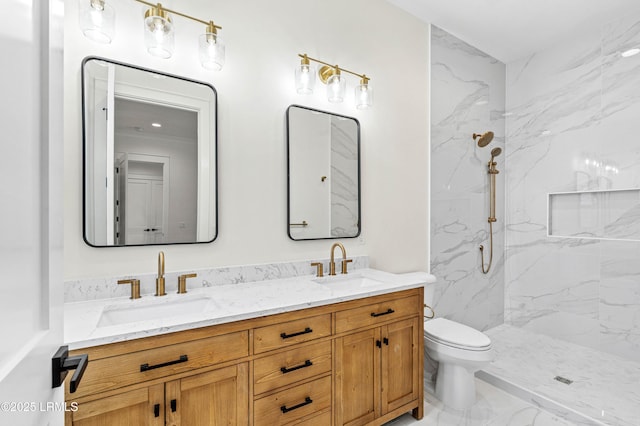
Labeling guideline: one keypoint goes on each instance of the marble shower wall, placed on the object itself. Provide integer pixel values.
(467, 96)
(572, 125)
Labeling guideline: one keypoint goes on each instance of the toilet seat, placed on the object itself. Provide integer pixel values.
(450, 333)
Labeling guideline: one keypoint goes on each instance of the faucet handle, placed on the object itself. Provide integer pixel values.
(344, 265)
(135, 287)
(182, 282)
(319, 271)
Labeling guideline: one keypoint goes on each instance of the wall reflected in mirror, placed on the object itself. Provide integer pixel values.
(323, 174)
(150, 173)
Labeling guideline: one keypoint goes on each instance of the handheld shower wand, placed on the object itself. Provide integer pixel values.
(492, 207)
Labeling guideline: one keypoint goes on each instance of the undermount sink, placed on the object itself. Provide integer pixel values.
(359, 279)
(135, 311)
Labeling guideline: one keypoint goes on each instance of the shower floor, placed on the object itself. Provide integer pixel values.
(605, 389)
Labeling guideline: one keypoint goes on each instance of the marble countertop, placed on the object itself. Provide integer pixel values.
(104, 321)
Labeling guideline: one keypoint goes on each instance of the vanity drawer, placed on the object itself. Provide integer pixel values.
(323, 419)
(136, 367)
(292, 404)
(377, 313)
(288, 367)
(291, 332)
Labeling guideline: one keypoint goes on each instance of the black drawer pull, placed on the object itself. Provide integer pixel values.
(387, 312)
(385, 341)
(306, 364)
(174, 405)
(156, 410)
(307, 401)
(147, 367)
(286, 336)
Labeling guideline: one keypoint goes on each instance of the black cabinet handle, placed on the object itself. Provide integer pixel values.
(387, 312)
(385, 341)
(378, 343)
(147, 367)
(61, 363)
(174, 405)
(306, 364)
(307, 401)
(286, 336)
(156, 410)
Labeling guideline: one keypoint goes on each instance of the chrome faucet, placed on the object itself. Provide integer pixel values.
(332, 263)
(160, 280)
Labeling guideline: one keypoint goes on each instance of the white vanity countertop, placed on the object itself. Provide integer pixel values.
(201, 307)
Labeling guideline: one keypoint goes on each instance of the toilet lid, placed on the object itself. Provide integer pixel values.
(456, 334)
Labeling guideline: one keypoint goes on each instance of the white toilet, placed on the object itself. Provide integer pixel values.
(460, 351)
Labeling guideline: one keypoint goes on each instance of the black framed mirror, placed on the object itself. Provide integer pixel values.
(323, 170)
(149, 157)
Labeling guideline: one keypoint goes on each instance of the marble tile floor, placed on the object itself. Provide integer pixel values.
(605, 388)
(494, 407)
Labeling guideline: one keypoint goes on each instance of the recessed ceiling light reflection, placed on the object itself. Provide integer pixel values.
(156, 124)
(630, 52)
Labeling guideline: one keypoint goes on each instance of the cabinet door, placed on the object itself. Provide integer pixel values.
(214, 398)
(141, 407)
(400, 364)
(357, 386)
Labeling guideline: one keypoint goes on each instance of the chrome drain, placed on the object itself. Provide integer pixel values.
(563, 380)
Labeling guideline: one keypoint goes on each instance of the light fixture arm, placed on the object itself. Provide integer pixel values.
(159, 6)
(363, 77)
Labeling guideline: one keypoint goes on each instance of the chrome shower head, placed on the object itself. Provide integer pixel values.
(484, 138)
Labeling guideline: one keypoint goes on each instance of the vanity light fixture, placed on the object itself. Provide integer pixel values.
(211, 48)
(158, 32)
(97, 21)
(332, 76)
(305, 76)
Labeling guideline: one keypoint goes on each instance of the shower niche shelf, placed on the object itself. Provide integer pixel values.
(597, 214)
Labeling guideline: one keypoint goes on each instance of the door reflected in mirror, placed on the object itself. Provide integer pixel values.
(324, 174)
(150, 174)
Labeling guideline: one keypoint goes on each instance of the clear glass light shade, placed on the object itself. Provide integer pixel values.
(97, 20)
(364, 96)
(211, 51)
(336, 87)
(159, 36)
(305, 79)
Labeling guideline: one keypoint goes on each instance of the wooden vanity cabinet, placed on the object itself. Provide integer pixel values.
(166, 380)
(218, 397)
(351, 363)
(132, 407)
(378, 370)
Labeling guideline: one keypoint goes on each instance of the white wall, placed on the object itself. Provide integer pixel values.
(255, 87)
